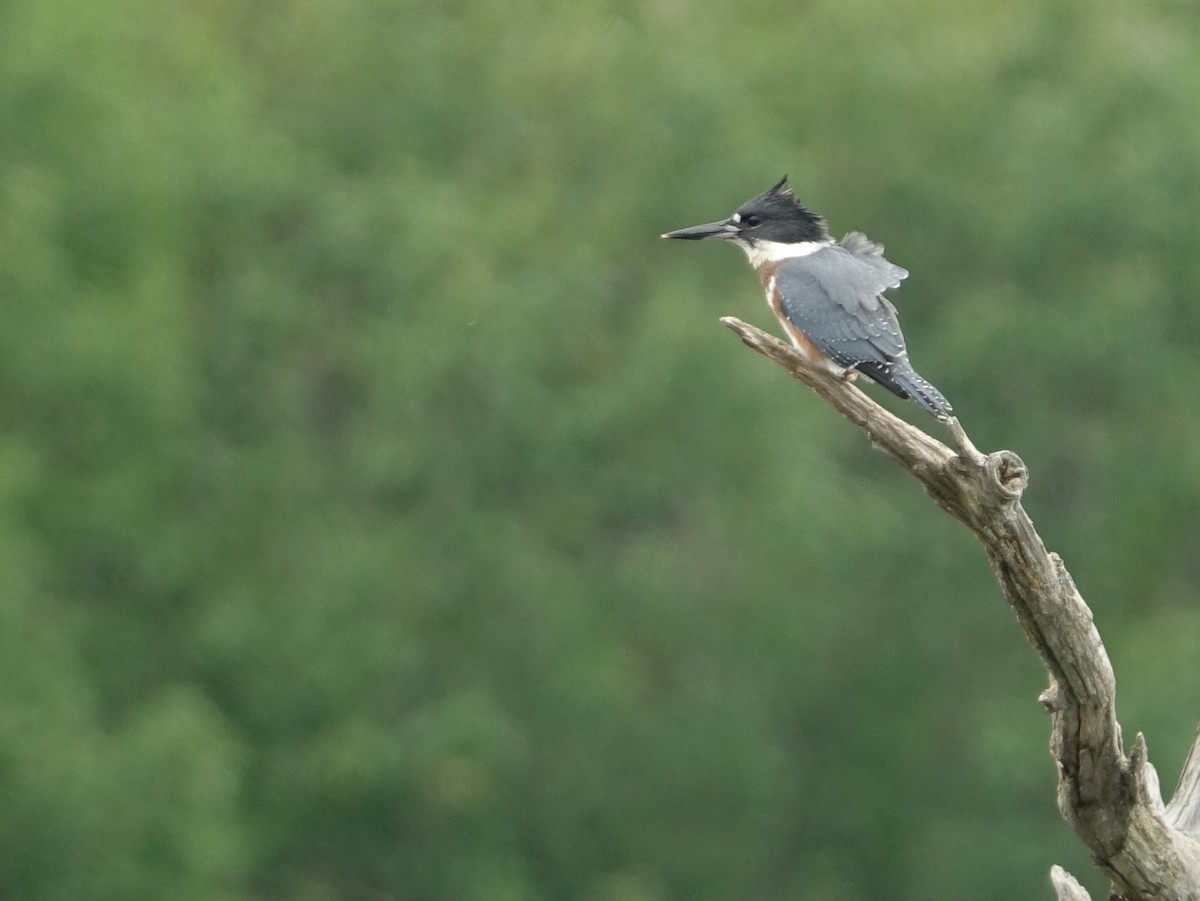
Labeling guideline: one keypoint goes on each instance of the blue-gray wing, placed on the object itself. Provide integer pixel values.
(835, 296)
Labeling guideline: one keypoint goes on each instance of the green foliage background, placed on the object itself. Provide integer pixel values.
(385, 515)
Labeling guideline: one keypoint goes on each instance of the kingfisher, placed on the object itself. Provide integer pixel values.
(827, 295)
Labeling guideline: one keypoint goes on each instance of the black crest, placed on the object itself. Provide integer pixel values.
(776, 215)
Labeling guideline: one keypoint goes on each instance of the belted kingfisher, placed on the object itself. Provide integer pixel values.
(827, 294)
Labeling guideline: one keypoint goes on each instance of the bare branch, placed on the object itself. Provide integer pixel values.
(1184, 810)
(1111, 801)
(1066, 886)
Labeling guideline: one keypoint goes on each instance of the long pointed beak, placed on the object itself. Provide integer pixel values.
(723, 229)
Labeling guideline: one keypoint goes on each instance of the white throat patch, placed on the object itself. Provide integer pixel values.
(775, 251)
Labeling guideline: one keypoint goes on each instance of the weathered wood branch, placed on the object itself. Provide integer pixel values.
(1066, 886)
(1112, 801)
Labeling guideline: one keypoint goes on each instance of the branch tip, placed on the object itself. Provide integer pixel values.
(1066, 886)
(966, 448)
(1051, 700)
(1184, 809)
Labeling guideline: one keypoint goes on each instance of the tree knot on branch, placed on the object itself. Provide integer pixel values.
(1008, 473)
(987, 487)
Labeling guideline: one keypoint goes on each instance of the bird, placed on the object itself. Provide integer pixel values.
(827, 294)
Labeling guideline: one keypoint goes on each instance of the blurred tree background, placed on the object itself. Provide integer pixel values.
(385, 515)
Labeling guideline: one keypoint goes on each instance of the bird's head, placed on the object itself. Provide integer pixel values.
(774, 216)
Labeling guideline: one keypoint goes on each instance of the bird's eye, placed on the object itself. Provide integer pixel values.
(750, 221)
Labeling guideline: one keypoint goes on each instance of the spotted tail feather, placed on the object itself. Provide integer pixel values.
(904, 381)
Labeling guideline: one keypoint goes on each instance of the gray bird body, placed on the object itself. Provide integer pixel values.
(834, 296)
